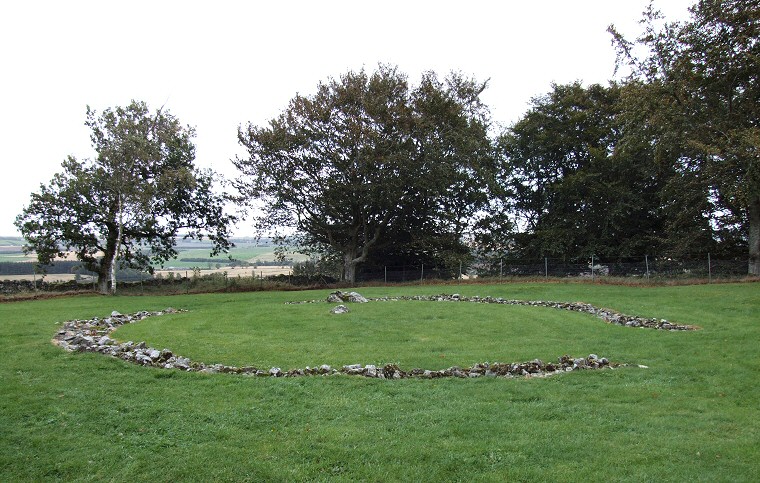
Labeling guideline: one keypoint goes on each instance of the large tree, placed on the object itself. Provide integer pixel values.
(131, 202)
(703, 79)
(368, 156)
(577, 180)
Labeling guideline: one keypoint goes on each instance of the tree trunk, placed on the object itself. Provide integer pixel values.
(103, 283)
(754, 236)
(115, 258)
(349, 266)
(351, 256)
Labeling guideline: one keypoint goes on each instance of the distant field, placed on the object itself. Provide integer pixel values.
(16, 257)
(10, 251)
(11, 241)
(248, 253)
(264, 271)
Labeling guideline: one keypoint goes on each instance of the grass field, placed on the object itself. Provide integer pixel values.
(11, 241)
(10, 251)
(692, 415)
(245, 252)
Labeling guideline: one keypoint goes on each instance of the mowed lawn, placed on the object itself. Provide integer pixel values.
(694, 414)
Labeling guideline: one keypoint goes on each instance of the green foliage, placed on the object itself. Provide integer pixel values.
(579, 178)
(411, 334)
(316, 268)
(140, 192)
(703, 84)
(690, 416)
(367, 157)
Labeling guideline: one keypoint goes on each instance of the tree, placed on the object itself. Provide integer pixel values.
(579, 181)
(703, 77)
(352, 164)
(129, 204)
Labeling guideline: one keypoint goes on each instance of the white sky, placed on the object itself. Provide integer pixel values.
(219, 64)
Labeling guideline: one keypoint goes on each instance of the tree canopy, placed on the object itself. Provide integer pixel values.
(584, 174)
(574, 190)
(130, 203)
(368, 156)
(702, 81)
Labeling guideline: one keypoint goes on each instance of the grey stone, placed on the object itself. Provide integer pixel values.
(340, 309)
(77, 335)
(357, 298)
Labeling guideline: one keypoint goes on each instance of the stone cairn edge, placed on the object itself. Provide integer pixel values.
(92, 335)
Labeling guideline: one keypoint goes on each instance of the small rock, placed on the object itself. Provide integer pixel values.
(357, 298)
(340, 309)
(353, 369)
(115, 314)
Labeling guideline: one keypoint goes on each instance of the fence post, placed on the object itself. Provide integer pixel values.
(592, 268)
(646, 261)
(709, 269)
(460, 269)
(501, 268)
(546, 268)
(385, 273)
(422, 273)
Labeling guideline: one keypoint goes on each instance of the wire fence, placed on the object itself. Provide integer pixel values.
(706, 267)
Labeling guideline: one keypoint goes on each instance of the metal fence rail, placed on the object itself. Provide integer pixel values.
(636, 267)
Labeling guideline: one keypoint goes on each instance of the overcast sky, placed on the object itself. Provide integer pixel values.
(217, 65)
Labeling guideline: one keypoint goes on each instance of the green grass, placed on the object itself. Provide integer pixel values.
(17, 257)
(411, 334)
(12, 241)
(693, 415)
(242, 252)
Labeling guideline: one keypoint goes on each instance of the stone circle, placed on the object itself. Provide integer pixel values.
(92, 335)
